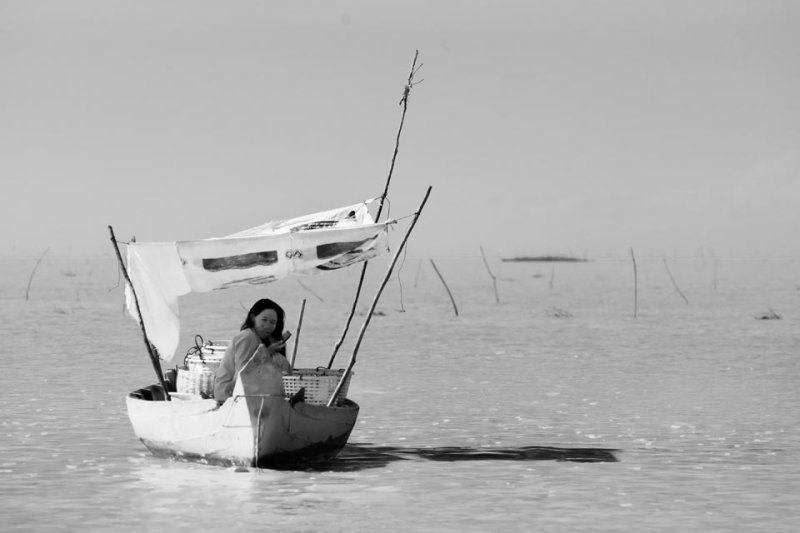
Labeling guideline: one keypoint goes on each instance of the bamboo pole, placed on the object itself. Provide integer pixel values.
(30, 279)
(375, 301)
(416, 276)
(494, 279)
(404, 102)
(400, 287)
(450, 294)
(674, 283)
(715, 273)
(714, 265)
(150, 348)
(297, 333)
(635, 284)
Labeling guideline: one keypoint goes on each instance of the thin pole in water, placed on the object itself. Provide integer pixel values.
(30, 280)
(674, 283)
(450, 294)
(494, 279)
(416, 276)
(375, 301)
(153, 356)
(635, 284)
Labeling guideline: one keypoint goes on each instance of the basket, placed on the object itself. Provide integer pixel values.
(201, 367)
(198, 379)
(202, 364)
(319, 384)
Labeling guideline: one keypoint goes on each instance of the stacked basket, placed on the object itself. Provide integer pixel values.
(201, 367)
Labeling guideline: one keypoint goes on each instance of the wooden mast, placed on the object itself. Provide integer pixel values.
(375, 301)
(150, 348)
(404, 102)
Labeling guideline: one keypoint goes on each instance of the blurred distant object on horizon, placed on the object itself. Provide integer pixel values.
(768, 315)
(546, 259)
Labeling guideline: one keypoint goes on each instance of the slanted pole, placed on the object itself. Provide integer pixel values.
(297, 333)
(450, 294)
(635, 284)
(675, 283)
(150, 349)
(494, 279)
(375, 301)
(30, 280)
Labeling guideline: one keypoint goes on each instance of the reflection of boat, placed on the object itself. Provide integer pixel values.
(255, 426)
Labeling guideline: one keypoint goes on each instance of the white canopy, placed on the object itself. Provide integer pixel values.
(160, 272)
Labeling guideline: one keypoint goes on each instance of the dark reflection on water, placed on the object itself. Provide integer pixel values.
(355, 457)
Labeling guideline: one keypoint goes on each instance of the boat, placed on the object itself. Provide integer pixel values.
(311, 420)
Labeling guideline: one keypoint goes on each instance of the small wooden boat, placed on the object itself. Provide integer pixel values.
(249, 429)
(310, 420)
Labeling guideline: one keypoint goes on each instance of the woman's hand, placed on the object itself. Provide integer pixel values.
(273, 348)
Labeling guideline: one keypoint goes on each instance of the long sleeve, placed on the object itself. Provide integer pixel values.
(241, 348)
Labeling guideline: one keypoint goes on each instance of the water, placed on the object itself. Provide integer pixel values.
(699, 401)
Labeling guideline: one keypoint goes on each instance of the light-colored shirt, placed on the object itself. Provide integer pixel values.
(239, 352)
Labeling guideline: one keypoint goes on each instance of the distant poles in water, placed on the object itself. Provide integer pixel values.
(33, 272)
(674, 283)
(494, 279)
(450, 294)
(635, 284)
(714, 263)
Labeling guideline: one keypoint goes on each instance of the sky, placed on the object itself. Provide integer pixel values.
(544, 127)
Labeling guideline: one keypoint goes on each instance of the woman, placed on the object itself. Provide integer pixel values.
(262, 327)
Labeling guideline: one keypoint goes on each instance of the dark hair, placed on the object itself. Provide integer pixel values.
(258, 307)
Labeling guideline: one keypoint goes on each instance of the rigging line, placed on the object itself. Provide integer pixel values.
(119, 277)
(388, 208)
(405, 217)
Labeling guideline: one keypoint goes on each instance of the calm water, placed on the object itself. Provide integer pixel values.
(700, 402)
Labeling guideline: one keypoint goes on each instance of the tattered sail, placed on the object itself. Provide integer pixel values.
(160, 272)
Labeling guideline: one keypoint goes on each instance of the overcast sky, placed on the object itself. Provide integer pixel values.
(543, 127)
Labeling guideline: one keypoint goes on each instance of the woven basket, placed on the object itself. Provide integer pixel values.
(198, 379)
(319, 384)
(198, 376)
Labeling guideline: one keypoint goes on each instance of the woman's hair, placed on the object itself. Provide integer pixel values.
(258, 307)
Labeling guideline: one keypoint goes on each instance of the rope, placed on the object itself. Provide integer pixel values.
(197, 349)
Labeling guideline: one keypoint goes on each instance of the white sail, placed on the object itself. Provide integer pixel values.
(161, 272)
(339, 217)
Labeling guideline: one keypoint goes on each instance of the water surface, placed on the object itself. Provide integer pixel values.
(552, 410)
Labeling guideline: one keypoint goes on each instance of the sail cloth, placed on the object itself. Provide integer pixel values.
(163, 271)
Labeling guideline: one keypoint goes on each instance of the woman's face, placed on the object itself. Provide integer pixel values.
(264, 323)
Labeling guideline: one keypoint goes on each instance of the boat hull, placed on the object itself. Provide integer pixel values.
(264, 431)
